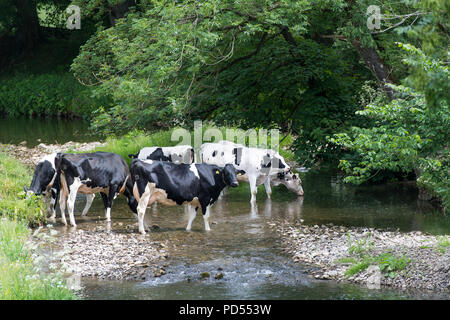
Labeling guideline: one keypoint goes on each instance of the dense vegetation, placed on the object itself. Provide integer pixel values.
(369, 99)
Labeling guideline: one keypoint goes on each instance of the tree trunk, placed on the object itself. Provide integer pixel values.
(376, 66)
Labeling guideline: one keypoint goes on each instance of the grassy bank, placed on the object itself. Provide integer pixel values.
(20, 276)
(13, 177)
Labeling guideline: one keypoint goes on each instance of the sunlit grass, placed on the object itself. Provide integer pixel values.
(20, 278)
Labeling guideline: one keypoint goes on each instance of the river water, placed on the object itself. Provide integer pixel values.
(248, 253)
(48, 131)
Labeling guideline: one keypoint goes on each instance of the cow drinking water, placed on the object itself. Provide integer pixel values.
(45, 183)
(196, 185)
(260, 165)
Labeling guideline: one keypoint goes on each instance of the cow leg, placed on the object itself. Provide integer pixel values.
(62, 207)
(71, 200)
(267, 187)
(142, 206)
(52, 209)
(206, 218)
(192, 215)
(89, 199)
(105, 203)
(253, 187)
(54, 195)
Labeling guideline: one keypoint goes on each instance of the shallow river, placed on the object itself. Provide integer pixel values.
(248, 253)
(241, 245)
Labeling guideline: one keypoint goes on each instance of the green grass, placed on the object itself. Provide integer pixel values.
(13, 177)
(443, 244)
(361, 258)
(20, 278)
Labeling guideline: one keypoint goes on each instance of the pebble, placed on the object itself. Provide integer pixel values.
(109, 255)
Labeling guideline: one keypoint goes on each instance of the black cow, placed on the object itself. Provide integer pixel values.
(45, 183)
(90, 173)
(198, 185)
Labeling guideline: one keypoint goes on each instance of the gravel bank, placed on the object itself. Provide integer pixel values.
(31, 156)
(100, 253)
(332, 250)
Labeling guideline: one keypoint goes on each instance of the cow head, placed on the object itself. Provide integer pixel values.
(42, 178)
(229, 175)
(291, 180)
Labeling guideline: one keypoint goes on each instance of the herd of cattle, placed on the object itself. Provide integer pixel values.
(167, 175)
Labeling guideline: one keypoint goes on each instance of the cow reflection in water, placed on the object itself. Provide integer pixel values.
(290, 211)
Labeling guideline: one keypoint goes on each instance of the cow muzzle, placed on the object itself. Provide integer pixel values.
(234, 184)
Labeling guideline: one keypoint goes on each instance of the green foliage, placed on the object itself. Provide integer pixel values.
(13, 177)
(443, 244)
(409, 134)
(361, 248)
(20, 278)
(252, 64)
(361, 258)
(47, 94)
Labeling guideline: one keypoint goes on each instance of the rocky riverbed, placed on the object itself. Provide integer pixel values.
(31, 156)
(368, 256)
(114, 251)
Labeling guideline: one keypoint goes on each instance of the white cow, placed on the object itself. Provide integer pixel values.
(176, 154)
(261, 166)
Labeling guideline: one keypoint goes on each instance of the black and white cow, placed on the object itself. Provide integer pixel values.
(45, 183)
(196, 185)
(90, 173)
(262, 166)
(176, 154)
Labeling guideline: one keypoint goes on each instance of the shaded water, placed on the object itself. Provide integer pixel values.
(48, 131)
(249, 254)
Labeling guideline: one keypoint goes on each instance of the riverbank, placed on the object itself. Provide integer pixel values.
(369, 256)
(93, 250)
(31, 156)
